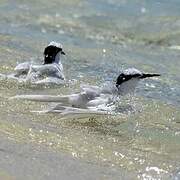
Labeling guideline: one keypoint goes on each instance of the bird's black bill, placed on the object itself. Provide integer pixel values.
(149, 75)
(62, 52)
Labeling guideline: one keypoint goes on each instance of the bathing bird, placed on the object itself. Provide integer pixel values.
(90, 97)
(51, 71)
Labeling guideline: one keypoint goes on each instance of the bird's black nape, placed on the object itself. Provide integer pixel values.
(50, 53)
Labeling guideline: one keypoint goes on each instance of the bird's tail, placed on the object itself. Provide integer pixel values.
(42, 98)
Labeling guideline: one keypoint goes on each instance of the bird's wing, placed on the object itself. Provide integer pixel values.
(48, 70)
(91, 91)
(109, 88)
(102, 99)
(49, 81)
(66, 110)
(76, 100)
(22, 68)
(42, 98)
(85, 87)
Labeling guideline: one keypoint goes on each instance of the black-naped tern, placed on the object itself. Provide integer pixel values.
(91, 97)
(50, 72)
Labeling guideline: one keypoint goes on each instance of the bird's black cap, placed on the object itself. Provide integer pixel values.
(132, 73)
(51, 51)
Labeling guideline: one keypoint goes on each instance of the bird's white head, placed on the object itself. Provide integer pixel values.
(53, 52)
(128, 80)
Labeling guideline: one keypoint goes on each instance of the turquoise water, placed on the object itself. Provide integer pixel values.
(99, 38)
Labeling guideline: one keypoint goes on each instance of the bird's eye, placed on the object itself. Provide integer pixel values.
(46, 55)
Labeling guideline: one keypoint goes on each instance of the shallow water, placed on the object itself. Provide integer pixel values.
(99, 38)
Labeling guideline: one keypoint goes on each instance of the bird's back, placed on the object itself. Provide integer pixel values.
(40, 72)
(22, 69)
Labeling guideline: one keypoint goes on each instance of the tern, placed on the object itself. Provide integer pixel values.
(51, 71)
(91, 97)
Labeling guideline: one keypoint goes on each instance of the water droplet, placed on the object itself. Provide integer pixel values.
(104, 50)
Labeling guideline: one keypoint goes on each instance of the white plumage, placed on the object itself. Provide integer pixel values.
(94, 97)
(51, 72)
